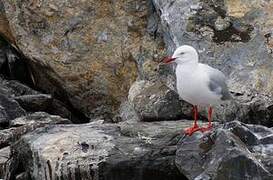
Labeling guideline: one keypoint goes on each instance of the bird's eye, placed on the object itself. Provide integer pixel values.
(182, 53)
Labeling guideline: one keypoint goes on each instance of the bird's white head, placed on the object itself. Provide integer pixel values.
(183, 54)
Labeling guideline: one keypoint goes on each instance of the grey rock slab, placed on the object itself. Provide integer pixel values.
(97, 151)
(39, 102)
(28, 123)
(38, 118)
(154, 129)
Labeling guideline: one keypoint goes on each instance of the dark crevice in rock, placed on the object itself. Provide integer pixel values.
(52, 86)
(4, 125)
(49, 169)
(15, 66)
(259, 115)
(140, 169)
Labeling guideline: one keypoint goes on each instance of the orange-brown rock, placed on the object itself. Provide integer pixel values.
(85, 51)
(4, 26)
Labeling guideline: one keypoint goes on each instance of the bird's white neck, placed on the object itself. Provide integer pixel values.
(188, 67)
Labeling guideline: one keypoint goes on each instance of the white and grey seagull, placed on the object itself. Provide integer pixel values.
(198, 84)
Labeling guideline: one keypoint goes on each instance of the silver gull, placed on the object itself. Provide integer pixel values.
(198, 84)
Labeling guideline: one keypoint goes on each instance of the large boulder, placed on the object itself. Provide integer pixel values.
(154, 101)
(234, 36)
(84, 51)
(130, 150)
(232, 151)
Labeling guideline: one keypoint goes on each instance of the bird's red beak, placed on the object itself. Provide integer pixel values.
(168, 60)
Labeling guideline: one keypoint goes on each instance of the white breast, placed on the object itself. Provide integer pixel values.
(193, 85)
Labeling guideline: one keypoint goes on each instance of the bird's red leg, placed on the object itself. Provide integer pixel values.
(195, 127)
(195, 114)
(209, 119)
(210, 116)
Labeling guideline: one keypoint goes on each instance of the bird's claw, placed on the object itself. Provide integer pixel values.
(205, 129)
(191, 130)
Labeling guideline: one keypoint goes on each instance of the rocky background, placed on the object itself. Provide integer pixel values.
(82, 94)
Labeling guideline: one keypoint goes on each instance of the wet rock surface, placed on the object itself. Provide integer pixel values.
(99, 151)
(233, 36)
(232, 151)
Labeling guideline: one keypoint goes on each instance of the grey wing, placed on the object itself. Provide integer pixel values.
(217, 84)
